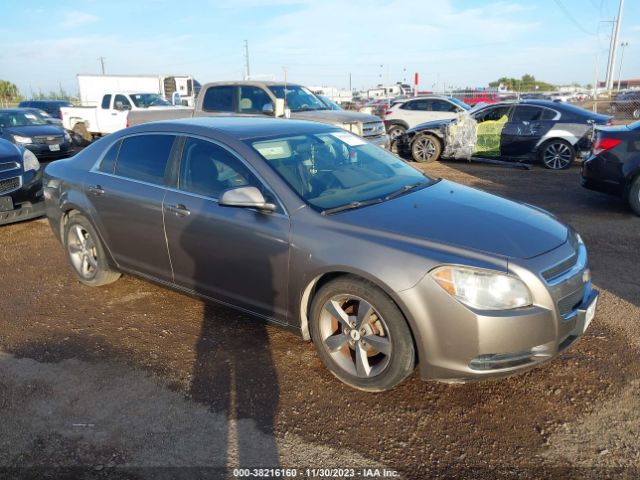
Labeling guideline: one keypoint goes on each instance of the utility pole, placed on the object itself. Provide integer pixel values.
(613, 47)
(246, 59)
(101, 63)
(623, 45)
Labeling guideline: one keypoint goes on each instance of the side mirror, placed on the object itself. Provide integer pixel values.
(279, 107)
(245, 197)
(268, 109)
(176, 99)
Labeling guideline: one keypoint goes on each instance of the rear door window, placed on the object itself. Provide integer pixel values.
(106, 100)
(219, 99)
(144, 158)
(526, 114)
(109, 160)
(442, 106)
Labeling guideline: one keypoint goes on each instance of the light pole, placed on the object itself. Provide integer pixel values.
(623, 45)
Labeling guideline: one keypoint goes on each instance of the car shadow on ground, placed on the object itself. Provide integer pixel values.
(605, 222)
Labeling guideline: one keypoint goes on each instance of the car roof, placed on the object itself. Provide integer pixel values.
(254, 83)
(44, 101)
(238, 127)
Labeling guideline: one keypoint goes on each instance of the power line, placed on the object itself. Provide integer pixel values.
(572, 18)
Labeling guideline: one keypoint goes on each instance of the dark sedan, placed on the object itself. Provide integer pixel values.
(22, 127)
(531, 130)
(20, 184)
(313, 228)
(52, 107)
(614, 164)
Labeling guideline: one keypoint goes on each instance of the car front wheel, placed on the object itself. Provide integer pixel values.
(557, 154)
(425, 148)
(361, 335)
(86, 253)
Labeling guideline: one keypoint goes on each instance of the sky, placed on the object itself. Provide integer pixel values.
(450, 43)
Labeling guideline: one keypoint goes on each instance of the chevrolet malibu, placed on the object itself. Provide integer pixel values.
(312, 228)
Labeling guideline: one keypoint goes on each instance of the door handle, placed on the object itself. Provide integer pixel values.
(97, 190)
(114, 113)
(179, 209)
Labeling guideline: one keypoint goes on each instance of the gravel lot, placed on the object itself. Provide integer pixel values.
(136, 381)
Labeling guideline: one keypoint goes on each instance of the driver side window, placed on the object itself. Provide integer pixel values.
(122, 101)
(208, 169)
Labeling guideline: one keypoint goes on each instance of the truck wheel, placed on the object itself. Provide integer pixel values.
(634, 195)
(425, 148)
(81, 135)
(360, 335)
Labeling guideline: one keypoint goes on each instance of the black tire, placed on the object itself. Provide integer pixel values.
(634, 195)
(385, 324)
(81, 135)
(426, 148)
(394, 132)
(557, 154)
(82, 244)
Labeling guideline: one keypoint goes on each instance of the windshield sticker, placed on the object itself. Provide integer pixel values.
(349, 139)
(273, 150)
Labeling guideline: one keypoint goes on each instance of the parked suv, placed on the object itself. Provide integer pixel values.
(20, 184)
(627, 102)
(52, 107)
(409, 112)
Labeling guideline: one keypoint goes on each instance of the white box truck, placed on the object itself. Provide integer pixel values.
(93, 87)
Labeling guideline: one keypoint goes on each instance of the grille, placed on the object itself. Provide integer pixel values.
(9, 185)
(49, 140)
(373, 129)
(561, 268)
(567, 304)
(9, 166)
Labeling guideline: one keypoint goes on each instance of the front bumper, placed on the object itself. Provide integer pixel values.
(44, 153)
(459, 344)
(27, 202)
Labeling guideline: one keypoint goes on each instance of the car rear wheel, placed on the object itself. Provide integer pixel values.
(425, 148)
(557, 154)
(634, 195)
(361, 335)
(86, 253)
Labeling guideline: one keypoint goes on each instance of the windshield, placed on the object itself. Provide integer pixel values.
(460, 103)
(331, 105)
(145, 100)
(19, 119)
(338, 169)
(298, 99)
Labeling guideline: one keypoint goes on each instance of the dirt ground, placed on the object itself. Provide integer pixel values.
(136, 381)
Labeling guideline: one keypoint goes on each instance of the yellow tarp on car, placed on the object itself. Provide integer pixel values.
(488, 137)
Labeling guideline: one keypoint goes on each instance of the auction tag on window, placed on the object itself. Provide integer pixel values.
(349, 138)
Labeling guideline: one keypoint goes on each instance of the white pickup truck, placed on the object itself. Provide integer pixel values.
(111, 115)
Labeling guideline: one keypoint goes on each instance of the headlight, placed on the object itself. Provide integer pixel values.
(482, 289)
(19, 139)
(350, 127)
(29, 161)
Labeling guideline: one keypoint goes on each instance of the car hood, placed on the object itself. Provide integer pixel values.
(35, 130)
(335, 116)
(464, 217)
(9, 151)
(433, 125)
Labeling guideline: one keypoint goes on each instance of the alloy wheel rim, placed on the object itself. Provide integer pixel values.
(425, 148)
(395, 133)
(82, 251)
(355, 335)
(557, 156)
